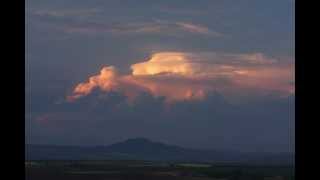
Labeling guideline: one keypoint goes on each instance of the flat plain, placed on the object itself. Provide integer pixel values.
(146, 170)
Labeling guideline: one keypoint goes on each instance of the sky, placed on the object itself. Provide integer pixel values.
(206, 74)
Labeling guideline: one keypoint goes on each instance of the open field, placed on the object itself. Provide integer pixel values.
(143, 170)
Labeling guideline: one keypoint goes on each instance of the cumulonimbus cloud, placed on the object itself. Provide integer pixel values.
(189, 76)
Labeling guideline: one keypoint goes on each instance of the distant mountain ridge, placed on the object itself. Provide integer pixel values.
(144, 149)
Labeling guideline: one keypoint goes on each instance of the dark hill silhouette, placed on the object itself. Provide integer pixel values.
(144, 149)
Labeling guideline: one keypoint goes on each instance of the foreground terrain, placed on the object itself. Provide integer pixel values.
(147, 170)
(148, 150)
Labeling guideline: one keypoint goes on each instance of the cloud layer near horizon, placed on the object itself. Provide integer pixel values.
(183, 75)
(212, 123)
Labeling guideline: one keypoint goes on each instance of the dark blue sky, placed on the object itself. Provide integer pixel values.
(236, 58)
